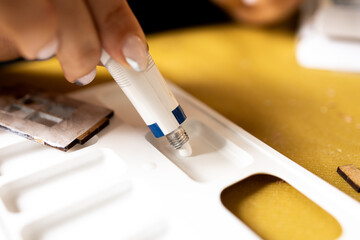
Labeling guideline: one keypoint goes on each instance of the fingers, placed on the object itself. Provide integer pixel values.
(120, 33)
(79, 45)
(29, 28)
(76, 31)
(8, 50)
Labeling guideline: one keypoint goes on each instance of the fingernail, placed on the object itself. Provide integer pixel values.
(48, 51)
(86, 79)
(135, 53)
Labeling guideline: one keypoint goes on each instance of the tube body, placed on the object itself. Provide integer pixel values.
(149, 94)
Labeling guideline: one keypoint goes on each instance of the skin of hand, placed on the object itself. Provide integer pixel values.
(259, 12)
(75, 30)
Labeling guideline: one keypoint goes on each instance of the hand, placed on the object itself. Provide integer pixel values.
(74, 30)
(259, 12)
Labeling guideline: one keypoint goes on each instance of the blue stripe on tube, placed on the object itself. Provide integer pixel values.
(155, 129)
(179, 114)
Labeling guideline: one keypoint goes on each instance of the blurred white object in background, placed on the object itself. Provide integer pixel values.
(329, 35)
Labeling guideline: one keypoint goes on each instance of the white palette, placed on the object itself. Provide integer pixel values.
(125, 184)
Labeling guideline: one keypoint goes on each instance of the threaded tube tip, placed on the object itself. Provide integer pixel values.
(177, 138)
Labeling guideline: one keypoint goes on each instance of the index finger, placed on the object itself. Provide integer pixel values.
(120, 32)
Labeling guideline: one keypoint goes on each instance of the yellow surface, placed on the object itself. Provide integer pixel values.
(275, 210)
(251, 77)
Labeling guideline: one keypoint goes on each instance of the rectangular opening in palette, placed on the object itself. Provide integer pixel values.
(45, 119)
(275, 210)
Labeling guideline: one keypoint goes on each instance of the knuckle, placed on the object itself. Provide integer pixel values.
(87, 54)
(81, 61)
(113, 16)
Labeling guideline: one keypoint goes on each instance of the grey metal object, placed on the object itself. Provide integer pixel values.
(57, 121)
(177, 138)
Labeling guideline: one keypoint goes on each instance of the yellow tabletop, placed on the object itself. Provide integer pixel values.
(251, 77)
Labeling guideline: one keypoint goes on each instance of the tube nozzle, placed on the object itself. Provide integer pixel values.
(179, 140)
